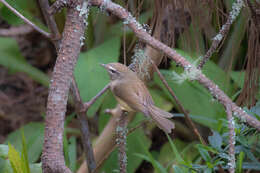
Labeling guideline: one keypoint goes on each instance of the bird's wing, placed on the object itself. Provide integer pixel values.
(136, 96)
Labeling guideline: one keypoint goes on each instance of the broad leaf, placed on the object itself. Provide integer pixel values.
(90, 76)
(12, 59)
(34, 140)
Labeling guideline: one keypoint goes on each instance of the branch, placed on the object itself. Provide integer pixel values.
(93, 100)
(16, 30)
(232, 140)
(44, 33)
(236, 8)
(52, 155)
(55, 37)
(121, 131)
(85, 133)
(172, 54)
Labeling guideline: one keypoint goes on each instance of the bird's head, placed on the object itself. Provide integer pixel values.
(116, 70)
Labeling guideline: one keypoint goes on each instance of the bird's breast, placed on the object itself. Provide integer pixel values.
(123, 104)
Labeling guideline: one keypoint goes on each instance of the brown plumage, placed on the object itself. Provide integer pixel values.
(133, 95)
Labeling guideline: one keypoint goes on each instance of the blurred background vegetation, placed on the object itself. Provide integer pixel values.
(27, 62)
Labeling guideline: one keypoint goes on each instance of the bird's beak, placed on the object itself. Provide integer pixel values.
(104, 65)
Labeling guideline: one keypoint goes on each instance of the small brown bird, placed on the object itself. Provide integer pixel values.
(133, 95)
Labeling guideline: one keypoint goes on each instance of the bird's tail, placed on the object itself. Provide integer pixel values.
(160, 118)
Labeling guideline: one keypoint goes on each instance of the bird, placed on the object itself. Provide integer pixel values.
(133, 95)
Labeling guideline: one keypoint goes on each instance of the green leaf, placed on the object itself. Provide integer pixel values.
(238, 77)
(208, 170)
(3, 151)
(24, 155)
(12, 59)
(251, 166)
(177, 169)
(204, 153)
(160, 100)
(28, 11)
(90, 76)
(175, 150)
(72, 149)
(186, 151)
(240, 162)
(155, 163)
(65, 149)
(194, 97)
(5, 166)
(34, 135)
(215, 140)
(137, 142)
(36, 168)
(15, 159)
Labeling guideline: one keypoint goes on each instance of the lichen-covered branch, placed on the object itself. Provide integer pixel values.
(52, 155)
(172, 54)
(121, 131)
(232, 140)
(236, 8)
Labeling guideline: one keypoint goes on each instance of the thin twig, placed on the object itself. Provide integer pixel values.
(55, 37)
(94, 99)
(46, 34)
(16, 30)
(85, 133)
(236, 7)
(172, 54)
(186, 114)
(121, 131)
(232, 136)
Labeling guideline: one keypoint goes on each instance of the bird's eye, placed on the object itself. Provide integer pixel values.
(112, 71)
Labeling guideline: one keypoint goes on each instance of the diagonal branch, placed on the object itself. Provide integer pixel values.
(83, 127)
(172, 54)
(236, 8)
(186, 114)
(55, 37)
(46, 34)
(87, 105)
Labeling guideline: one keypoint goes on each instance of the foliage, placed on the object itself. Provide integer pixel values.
(12, 161)
(15, 62)
(104, 44)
